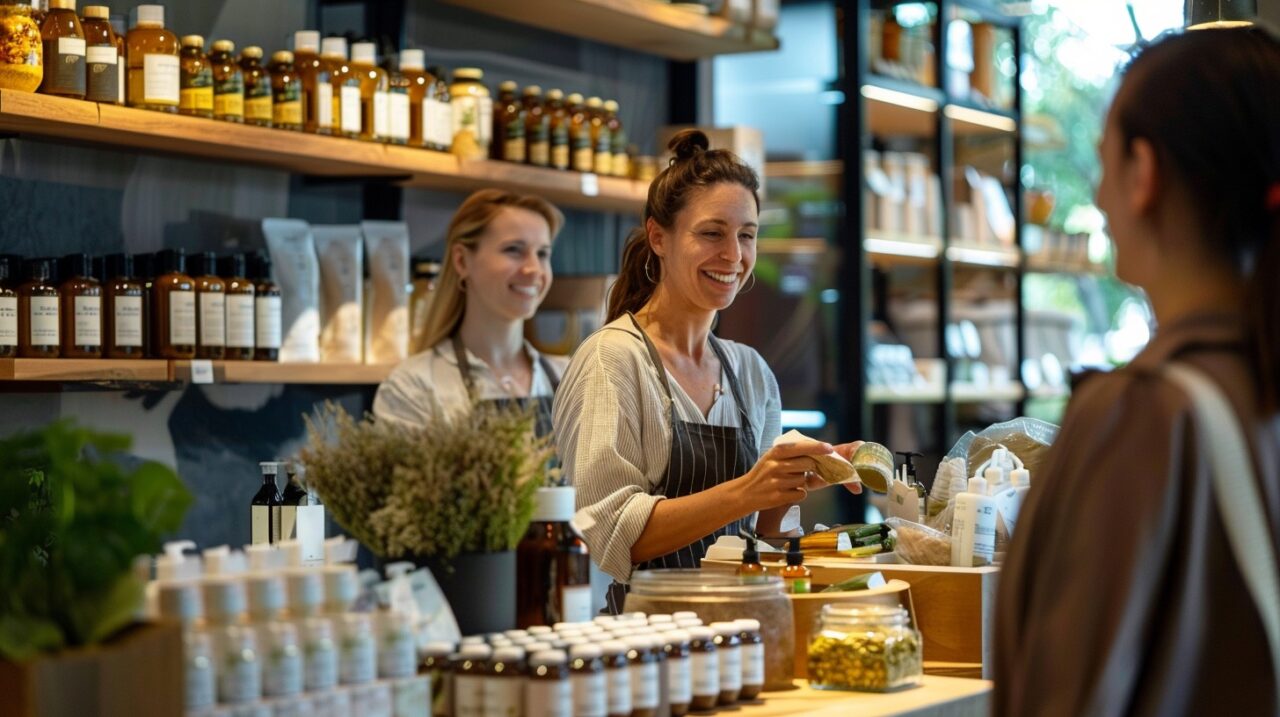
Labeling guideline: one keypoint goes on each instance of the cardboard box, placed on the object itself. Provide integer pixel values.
(138, 673)
(746, 142)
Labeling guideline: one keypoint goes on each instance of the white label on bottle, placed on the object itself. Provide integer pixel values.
(984, 533)
(120, 80)
(282, 673)
(399, 116)
(201, 690)
(730, 668)
(706, 673)
(238, 678)
(72, 46)
(437, 118)
(44, 321)
(466, 115)
(321, 665)
(267, 322)
(397, 656)
(213, 319)
(324, 104)
(260, 525)
(753, 664)
(202, 371)
(468, 696)
(88, 320)
(644, 685)
(411, 697)
(381, 115)
(679, 681)
(240, 311)
(182, 318)
(8, 321)
(550, 698)
(128, 326)
(503, 696)
(101, 55)
(619, 681)
(288, 521)
(486, 120)
(357, 660)
(589, 695)
(349, 101)
(575, 603)
(160, 84)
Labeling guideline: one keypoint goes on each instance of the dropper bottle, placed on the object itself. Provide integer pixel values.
(797, 578)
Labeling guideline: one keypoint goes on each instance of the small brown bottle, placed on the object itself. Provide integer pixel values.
(122, 65)
(347, 118)
(211, 307)
(558, 122)
(797, 578)
(64, 49)
(174, 304)
(313, 72)
(144, 268)
(102, 60)
(81, 309)
(751, 571)
(38, 304)
(580, 134)
(123, 318)
(154, 66)
(398, 103)
(257, 87)
(601, 140)
(267, 320)
(508, 125)
(286, 92)
(228, 82)
(197, 79)
(374, 85)
(537, 128)
(8, 307)
(553, 566)
(618, 136)
(240, 308)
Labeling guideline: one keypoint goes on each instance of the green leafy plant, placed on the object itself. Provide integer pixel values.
(72, 522)
(462, 483)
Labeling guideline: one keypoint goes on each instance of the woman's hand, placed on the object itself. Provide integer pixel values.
(783, 476)
(846, 450)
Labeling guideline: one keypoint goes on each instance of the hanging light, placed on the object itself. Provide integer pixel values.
(1203, 14)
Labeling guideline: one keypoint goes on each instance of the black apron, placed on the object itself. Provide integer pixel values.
(702, 457)
(541, 404)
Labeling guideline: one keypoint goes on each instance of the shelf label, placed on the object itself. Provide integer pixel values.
(590, 184)
(201, 371)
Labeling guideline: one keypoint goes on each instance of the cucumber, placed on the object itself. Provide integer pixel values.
(866, 531)
(876, 539)
(858, 582)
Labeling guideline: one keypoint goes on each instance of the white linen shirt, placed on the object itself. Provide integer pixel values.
(613, 430)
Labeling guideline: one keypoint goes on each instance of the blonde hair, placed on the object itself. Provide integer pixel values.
(445, 312)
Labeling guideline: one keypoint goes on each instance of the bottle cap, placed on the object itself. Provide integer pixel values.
(586, 651)
(270, 468)
(259, 266)
(611, 105)
(979, 485)
(475, 652)
(335, 47)
(365, 53)
(794, 555)
(548, 658)
(62, 4)
(704, 634)
(595, 103)
(412, 60)
(282, 57)
(540, 630)
(306, 41)
(224, 46)
(554, 505)
(232, 266)
(253, 52)
(7, 264)
(555, 94)
(660, 620)
(532, 91)
(574, 99)
(37, 269)
(676, 637)
(684, 615)
(205, 264)
(473, 640)
(747, 625)
(97, 12)
(1020, 477)
(508, 654)
(508, 86)
(192, 41)
(640, 642)
(468, 73)
(171, 261)
(725, 629)
(151, 15)
(438, 649)
(513, 634)
(751, 555)
(77, 266)
(613, 647)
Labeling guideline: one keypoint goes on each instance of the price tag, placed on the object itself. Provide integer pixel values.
(202, 371)
(590, 184)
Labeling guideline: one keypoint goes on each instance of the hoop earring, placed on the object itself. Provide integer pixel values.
(462, 284)
(647, 274)
(752, 279)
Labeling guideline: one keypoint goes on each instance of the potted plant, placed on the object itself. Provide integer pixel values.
(455, 495)
(73, 522)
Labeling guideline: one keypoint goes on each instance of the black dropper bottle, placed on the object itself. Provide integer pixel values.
(796, 577)
(265, 512)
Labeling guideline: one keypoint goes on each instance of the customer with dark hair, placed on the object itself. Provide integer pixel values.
(1133, 588)
(665, 430)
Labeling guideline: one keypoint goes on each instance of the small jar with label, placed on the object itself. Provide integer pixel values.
(201, 685)
(174, 307)
(286, 93)
(642, 652)
(357, 650)
(257, 87)
(397, 652)
(579, 123)
(239, 671)
(617, 670)
(679, 672)
(586, 669)
(240, 308)
(313, 72)
(154, 63)
(508, 125)
(417, 82)
(267, 319)
(871, 649)
(39, 322)
(21, 65)
(8, 307)
(504, 682)
(436, 666)
(729, 650)
(196, 85)
(752, 658)
(64, 50)
(468, 668)
(102, 60)
(319, 654)
(550, 692)
(124, 318)
(601, 139)
(228, 82)
(705, 668)
(81, 309)
(282, 666)
(211, 307)
(472, 114)
(537, 128)
(345, 83)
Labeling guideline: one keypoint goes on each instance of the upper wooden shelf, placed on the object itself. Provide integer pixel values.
(59, 118)
(902, 109)
(342, 374)
(644, 25)
(162, 371)
(87, 370)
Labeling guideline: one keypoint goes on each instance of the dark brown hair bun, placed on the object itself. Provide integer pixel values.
(688, 143)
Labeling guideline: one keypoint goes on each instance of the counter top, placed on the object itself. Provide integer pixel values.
(940, 696)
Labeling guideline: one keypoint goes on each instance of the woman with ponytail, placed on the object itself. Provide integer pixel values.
(666, 431)
(1128, 589)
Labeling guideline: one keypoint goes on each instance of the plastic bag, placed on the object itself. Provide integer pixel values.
(919, 544)
(1027, 438)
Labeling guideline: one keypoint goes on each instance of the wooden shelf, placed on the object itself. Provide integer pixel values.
(159, 370)
(88, 370)
(155, 132)
(971, 120)
(1002, 393)
(290, 373)
(901, 109)
(984, 255)
(643, 25)
(893, 395)
(890, 250)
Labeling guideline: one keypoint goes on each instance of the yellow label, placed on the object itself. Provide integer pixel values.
(287, 113)
(540, 154)
(199, 99)
(513, 150)
(583, 160)
(621, 165)
(560, 157)
(603, 164)
(229, 104)
(258, 108)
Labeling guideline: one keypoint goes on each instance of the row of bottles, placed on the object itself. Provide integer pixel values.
(140, 306)
(555, 131)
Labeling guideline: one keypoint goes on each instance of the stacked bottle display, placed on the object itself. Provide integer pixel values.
(166, 305)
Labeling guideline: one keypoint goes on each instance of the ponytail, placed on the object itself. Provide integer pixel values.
(634, 287)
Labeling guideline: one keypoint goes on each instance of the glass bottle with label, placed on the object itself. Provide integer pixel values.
(679, 676)
(437, 112)
(63, 38)
(145, 272)
(286, 92)
(644, 652)
(81, 309)
(504, 683)
(154, 65)
(228, 82)
(553, 573)
(123, 320)
(374, 119)
(102, 60)
(618, 136)
(412, 68)
(558, 123)
(537, 128)
(580, 134)
(122, 66)
(38, 303)
(267, 317)
(468, 669)
(313, 72)
(257, 87)
(753, 663)
(586, 669)
(472, 114)
(8, 308)
(265, 511)
(196, 86)
(346, 88)
(601, 140)
(174, 307)
(22, 64)
(705, 667)
(508, 125)
(240, 309)
(398, 108)
(435, 665)
(550, 692)
(729, 651)
(211, 307)
(617, 671)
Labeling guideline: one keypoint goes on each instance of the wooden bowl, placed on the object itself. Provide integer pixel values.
(807, 607)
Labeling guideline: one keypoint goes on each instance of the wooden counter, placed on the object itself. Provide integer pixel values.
(940, 696)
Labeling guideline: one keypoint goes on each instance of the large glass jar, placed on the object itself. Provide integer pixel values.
(724, 597)
(21, 54)
(871, 649)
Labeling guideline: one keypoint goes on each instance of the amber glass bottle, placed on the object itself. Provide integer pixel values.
(537, 128)
(64, 44)
(618, 136)
(398, 113)
(558, 119)
(313, 71)
(509, 141)
(374, 85)
(228, 82)
(174, 307)
(580, 134)
(601, 140)
(38, 304)
(286, 92)
(257, 87)
(211, 307)
(553, 565)
(267, 320)
(197, 79)
(102, 60)
(347, 118)
(81, 309)
(154, 65)
(123, 318)
(122, 65)
(8, 307)
(240, 308)
(412, 67)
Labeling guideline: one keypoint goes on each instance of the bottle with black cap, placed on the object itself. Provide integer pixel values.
(8, 308)
(173, 301)
(38, 304)
(81, 309)
(124, 317)
(240, 308)
(267, 307)
(144, 270)
(211, 314)
(796, 577)
(751, 570)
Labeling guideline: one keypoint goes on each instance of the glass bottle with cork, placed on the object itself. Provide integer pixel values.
(313, 72)
(537, 128)
(618, 137)
(154, 63)
(553, 566)
(509, 140)
(38, 318)
(174, 307)
(8, 308)
(81, 309)
(228, 82)
(196, 86)
(346, 88)
(558, 123)
(64, 49)
(437, 112)
(796, 576)
(123, 319)
(374, 86)
(102, 60)
(286, 92)
(601, 140)
(267, 319)
(472, 114)
(240, 308)
(417, 81)
(257, 87)
(211, 299)
(580, 134)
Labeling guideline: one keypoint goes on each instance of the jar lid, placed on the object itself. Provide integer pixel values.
(684, 615)
(548, 658)
(640, 642)
(468, 73)
(365, 53)
(540, 630)
(475, 652)
(725, 629)
(532, 91)
(224, 46)
(334, 47)
(534, 648)
(438, 649)
(192, 41)
(151, 14)
(508, 86)
(555, 94)
(676, 637)
(836, 614)
(562, 626)
(62, 4)
(748, 625)
(586, 651)
(412, 59)
(97, 12)
(575, 99)
(595, 103)
(656, 619)
(688, 583)
(554, 505)
(611, 105)
(282, 57)
(306, 41)
(613, 647)
(704, 634)
(253, 52)
(508, 654)
(513, 634)
(473, 640)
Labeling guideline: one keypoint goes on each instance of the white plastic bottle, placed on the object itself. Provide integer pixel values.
(973, 527)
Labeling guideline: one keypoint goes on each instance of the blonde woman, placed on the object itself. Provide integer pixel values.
(497, 270)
